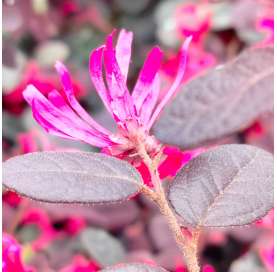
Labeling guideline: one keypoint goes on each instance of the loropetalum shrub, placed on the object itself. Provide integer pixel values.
(225, 186)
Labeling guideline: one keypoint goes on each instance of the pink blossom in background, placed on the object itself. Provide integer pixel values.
(12, 198)
(198, 61)
(81, 264)
(181, 268)
(33, 141)
(68, 7)
(266, 24)
(61, 114)
(39, 218)
(13, 100)
(145, 174)
(208, 268)
(47, 233)
(81, 16)
(267, 257)
(255, 130)
(174, 159)
(74, 225)
(11, 255)
(193, 19)
(267, 221)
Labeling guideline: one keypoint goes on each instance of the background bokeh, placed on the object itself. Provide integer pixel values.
(36, 33)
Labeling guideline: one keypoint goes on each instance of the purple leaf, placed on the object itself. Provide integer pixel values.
(134, 267)
(71, 177)
(223, 101)
(231, 185)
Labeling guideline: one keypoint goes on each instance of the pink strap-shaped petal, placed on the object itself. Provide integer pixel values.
(176, 83)
(150, 101)
(69, 92)
(49, 127)
(29, 97)
(117, 104)
(146, 77)
(46, 113)
(122, 100)
(95, 68)
(67, 127)
(58, 101)
(109, 58)
(65, 114)
(123, 51)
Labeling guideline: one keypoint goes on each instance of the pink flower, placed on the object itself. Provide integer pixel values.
(13, 100)
(12, 198)
(74, 225)
(267, 256)
(208, 268)
(134, 113)
(266, 24)
(193, 19)
(267, 221)
(68, 7)
(11, 259)
(198, 61)
(40, 218)
(173, 161)
(80, 264)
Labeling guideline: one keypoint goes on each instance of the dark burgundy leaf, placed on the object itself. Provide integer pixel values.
(230, 185)
(71, 177)
(223, 101)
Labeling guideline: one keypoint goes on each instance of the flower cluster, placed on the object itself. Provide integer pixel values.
(61, 114)
(11, 255)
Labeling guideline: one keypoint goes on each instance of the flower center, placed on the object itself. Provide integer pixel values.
(130, 138)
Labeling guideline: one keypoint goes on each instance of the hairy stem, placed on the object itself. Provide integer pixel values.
(188, 246)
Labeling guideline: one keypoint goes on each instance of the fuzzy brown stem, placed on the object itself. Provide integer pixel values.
(186, 245)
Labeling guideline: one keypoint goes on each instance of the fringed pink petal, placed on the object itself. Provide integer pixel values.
(117, 100)
(123, 51)
(150, 101)
(58, 101)
(49, 127)
(66, 126)
(69, 92)
(109, 56)
(29, 94)
(176, 83)
(70, 126)
(95, 68)
(122, 101)
(146, 77)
